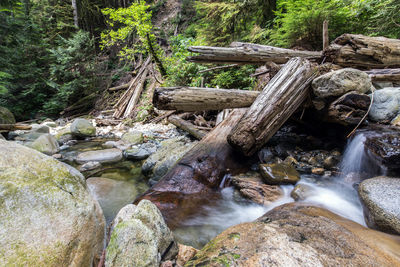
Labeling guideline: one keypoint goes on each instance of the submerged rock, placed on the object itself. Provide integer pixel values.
(301, 192)
(143, 239)
(386, 105)
(142, 152)
(102, 156)
(381, 199)
(46, 144)
(279, 173)
(339, 82)
(299, 235)
(48, 217)
(88, 166)
(82, 128)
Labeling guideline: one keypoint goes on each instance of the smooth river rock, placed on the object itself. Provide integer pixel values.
(299, 235)
(103, 156)
(48, 217)
(6, 117)
(386, 104)
(140, 239)
(132, 138)
(339, 82)
(279, 173)
(46, 144)
(381, 199)
(82, 128)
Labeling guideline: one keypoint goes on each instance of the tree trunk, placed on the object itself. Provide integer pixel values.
(199, 99)
(186, 126)
(325, 35)
(246, 53)
(195, 179)
(389, 75)
(75, 13)
(136, 94)
(276, 103)
(359, 51)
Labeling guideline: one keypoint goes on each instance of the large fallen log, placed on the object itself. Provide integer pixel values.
(198, 99)
(359, 51)
(13, 127)
(246, 53)
(186, 126)
(276, 103)
(389, 75)
(195, 179)
(136, 94)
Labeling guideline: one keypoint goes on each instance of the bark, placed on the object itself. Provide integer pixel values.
(276, 103)
(75, 13)
(186, 126)
(359, 51)
(246, 53)
(136, 94)
(195, 179)
(199, 99)
(390, 75)
(13, 127)
(325, 35)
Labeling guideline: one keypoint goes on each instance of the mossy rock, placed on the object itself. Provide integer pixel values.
(6, 117)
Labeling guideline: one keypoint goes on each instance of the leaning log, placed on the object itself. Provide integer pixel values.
(387, 75)
(186, 126)
(276, 103)
(246, 53)
(359, 51)
(13, 127)
(197, 99)
(195, 179)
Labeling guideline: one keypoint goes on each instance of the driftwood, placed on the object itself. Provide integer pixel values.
(219, 68)
(359, 51)
(197, 99)
(186, 126)
(277, 102)
(246, 53)
(13, 127)
(193, 181)
(136, 94)
(389, 75)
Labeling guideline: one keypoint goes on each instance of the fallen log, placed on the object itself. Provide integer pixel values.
(276, 103)
(219, 68)
(195, 179)
(186, 126)
(359, 51)
(136, 94)
(389, 75)
(13, 127)
(246, 53)
(199, 99)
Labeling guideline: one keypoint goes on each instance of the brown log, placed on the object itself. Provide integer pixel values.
(186, 126)
(325, 35)
(277, 102)
(389, 75)
(359, 51)
(136, 94)
(194, 180)
(246, 53)
(198, 99)
(13, 127)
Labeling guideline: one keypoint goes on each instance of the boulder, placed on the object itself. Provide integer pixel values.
(386, 104)
(123, 215)
(143, 239)
(6, 117)
(339, 82)
(132, 138)
(46, 144)
(142, 152)
(102, 156)
(279, 173)
(48, 217)
(88, 166)
(381, 199)
(64, 135)
(82, 128)
(38, 128)
(185, 254)
(300, 235)
(111, 194)
(302, 191)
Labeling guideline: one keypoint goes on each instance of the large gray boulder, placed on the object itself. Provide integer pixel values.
(6, 117)
(48, 217)
(82, 128)
(140, 238)
(103, 156)
(381, 199)
(339, 82)
(386, 104)
(299, 235)
(46, 144)
(133, 138)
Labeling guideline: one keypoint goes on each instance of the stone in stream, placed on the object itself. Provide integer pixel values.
(301, 192)
(279, 173)
(46, 144)
(142, 239)
(381, 199)
(132, 138)
(142, 152)
(253, 188)
(103, 156)
(300, 235)
(48, 217)
(111, 194)
(386, 104)
(82, 128)
(88, 166)
(339, 82)
(6, 117)
(64, 135)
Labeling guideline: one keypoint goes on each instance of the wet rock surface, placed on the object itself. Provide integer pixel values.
(279, 173)
(299, 235)
(380, 196)
(102, 156)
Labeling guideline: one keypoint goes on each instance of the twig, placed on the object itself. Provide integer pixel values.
(365, 116)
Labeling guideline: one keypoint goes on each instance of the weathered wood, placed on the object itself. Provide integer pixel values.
(194, 180)
(136, 94)
(13, 127)
(359, 51)
(219, 68)
(186, 126)
(119, 87)
(246, 53)
(277, 102)
(198, 99)
(390, 75)
(325, 35)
